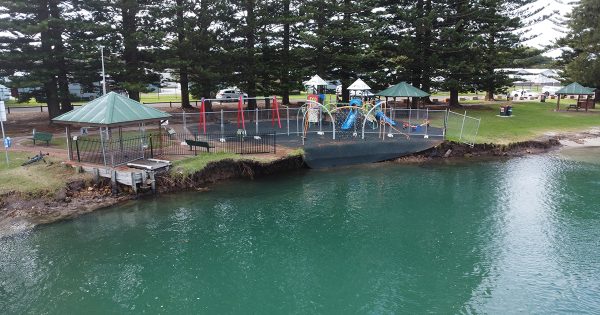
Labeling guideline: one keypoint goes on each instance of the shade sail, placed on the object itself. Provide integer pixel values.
(111, 109)
(402, 89)
(316, 80)
(359, 85)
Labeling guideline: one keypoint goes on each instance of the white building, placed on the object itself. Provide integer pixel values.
(525, 76)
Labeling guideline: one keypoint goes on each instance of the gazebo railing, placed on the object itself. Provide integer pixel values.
(111, 152)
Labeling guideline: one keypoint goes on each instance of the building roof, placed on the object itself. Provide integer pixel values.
(359, 85)
(402, 89)
(111, 109)
(575, 89)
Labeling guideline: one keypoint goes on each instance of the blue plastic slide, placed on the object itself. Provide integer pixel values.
(350, 120)
(380, 115)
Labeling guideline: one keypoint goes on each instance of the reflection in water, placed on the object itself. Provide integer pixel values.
(516, 235)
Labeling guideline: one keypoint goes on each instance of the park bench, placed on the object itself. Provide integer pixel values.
(202, 144)
(575, 106)
(41, 136)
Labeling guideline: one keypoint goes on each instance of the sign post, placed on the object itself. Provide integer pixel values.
(6, 141)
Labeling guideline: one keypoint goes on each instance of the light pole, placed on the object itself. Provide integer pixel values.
(103, 76)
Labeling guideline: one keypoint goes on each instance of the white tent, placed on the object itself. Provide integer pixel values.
(359, 85)
(315, 81)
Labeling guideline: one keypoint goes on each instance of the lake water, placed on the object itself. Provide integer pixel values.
(520, 235)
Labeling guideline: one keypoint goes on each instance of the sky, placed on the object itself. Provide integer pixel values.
(548, 30)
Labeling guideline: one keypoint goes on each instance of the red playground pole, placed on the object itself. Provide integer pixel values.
(202, 117)
(275, 112)
(241, 113)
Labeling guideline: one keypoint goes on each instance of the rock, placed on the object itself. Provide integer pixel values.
(448, 153)
(76, 185)
(90, 188)
(60, 195)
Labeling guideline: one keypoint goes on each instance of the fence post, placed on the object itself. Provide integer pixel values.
(77, 147)
(222, 127)
(256, 119)
(447, 113)
(184, 123)
(170, 104)
(463, 126)
(8, 109)
(274, 143)
(287, 111)
(427, 121)
(41, 109)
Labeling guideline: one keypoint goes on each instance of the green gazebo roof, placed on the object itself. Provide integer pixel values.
(111, 109)
(402, 89)
(575, 89)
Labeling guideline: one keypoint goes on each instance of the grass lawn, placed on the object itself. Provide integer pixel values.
(193, 164)
(36, 179)
(529, 121)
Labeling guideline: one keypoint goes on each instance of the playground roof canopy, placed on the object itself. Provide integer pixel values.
(111, 109)
(402, 89)
(359, 85)
(575, 89)
(316, 80)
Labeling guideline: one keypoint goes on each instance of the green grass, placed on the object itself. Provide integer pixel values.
(196, 163)
(36, 179)
(530, 120)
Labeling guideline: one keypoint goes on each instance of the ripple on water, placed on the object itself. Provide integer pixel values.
(518, 235)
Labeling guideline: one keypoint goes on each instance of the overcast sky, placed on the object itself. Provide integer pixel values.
(550, 29)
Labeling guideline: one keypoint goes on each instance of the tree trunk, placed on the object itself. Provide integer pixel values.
(48, 62)
(426, 49)
(55, 31)
(250, 60)
(454, 98)
(208, 106)
(182, 54)
(285, 57)
(129, 11)
(489, 95)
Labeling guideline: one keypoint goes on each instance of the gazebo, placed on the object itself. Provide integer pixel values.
(107, 113)
(402, 89)
(359, 85)
(316, 81)
(575, 89)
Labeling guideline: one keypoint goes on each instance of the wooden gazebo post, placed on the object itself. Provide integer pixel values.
(558, 102)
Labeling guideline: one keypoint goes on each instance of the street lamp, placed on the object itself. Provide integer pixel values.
(103, 76)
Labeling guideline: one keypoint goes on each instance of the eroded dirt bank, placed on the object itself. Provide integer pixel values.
(21, 212)
(18, 212)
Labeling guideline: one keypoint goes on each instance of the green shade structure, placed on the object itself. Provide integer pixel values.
(402, 89)
(575, 89)
(111, 109)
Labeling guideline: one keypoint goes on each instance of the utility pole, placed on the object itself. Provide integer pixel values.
(103, 76)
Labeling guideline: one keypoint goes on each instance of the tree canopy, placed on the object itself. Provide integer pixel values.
(264, 47)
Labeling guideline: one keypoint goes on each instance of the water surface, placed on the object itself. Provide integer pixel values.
(514, 236)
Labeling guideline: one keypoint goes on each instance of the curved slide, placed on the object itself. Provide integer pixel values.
(350, 120)
(380, 115)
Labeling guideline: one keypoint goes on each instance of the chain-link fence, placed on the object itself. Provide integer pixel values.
(462, 128)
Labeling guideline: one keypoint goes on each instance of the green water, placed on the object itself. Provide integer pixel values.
(512, 236)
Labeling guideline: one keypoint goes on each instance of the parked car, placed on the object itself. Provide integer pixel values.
(550, 90)
(230, 93)
(524, 93)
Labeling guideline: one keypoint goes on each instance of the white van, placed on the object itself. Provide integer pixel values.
(550, 90)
